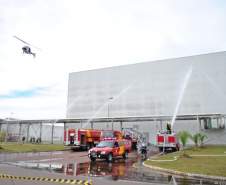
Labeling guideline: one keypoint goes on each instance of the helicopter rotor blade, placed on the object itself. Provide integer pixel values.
(26, 42)
(21, 40)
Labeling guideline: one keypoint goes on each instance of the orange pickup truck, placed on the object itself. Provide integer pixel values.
(109, 149)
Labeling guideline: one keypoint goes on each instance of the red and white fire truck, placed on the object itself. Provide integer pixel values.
(88, 138)
(166, 140)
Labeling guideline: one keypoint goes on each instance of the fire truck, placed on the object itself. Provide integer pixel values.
(88, 138)
(166, 141)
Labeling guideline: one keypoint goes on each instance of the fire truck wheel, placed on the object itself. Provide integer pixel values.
(110, 158)
(125, 155)
(92, 159)
(89, 146)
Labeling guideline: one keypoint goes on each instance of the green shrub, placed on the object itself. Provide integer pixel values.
(195, 139)
(202, 137)
(2, 136)
(183, 137)
(198, 139)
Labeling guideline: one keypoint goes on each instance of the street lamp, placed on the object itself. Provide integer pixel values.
(109, 99)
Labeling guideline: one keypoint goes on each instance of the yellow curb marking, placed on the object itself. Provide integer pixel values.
(63, 181)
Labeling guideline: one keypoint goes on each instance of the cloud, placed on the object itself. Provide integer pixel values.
(39, 103)
(24, 93)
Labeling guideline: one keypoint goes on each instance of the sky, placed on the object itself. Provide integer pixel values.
(72, 35)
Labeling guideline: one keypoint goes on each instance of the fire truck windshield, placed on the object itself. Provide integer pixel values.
(107, 134)
(103, 144)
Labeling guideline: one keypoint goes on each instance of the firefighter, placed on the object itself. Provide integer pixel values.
(23, 139)
(143, 150)
(168, 128)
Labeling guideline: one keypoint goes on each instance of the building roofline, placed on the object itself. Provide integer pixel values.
(113, 119)
(151, 61)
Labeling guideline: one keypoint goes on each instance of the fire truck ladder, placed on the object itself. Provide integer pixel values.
(140, 137)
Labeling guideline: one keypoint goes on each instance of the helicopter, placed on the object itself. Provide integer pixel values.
(27, 48)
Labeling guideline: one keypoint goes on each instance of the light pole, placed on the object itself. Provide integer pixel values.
(109, 99)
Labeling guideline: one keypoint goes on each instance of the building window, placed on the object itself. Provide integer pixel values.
(213, 123)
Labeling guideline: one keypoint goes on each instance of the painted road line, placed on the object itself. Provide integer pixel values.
(47, 179)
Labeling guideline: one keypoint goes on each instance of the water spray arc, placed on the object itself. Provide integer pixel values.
(183, 88)
(106, 103)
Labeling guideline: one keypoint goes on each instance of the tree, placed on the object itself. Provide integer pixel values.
(195, 138)
(184, 136)
(2, 136)
(202, 137)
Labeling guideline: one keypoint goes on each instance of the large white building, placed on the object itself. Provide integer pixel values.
(189, 86)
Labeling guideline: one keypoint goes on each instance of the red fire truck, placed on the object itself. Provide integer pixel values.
(167, 141)
(87, 138)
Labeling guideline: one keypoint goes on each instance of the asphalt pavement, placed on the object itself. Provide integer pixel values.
(68, 167)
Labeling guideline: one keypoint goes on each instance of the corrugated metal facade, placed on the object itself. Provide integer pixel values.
(151, 88)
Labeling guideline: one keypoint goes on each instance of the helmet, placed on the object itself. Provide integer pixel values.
(143, 144)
